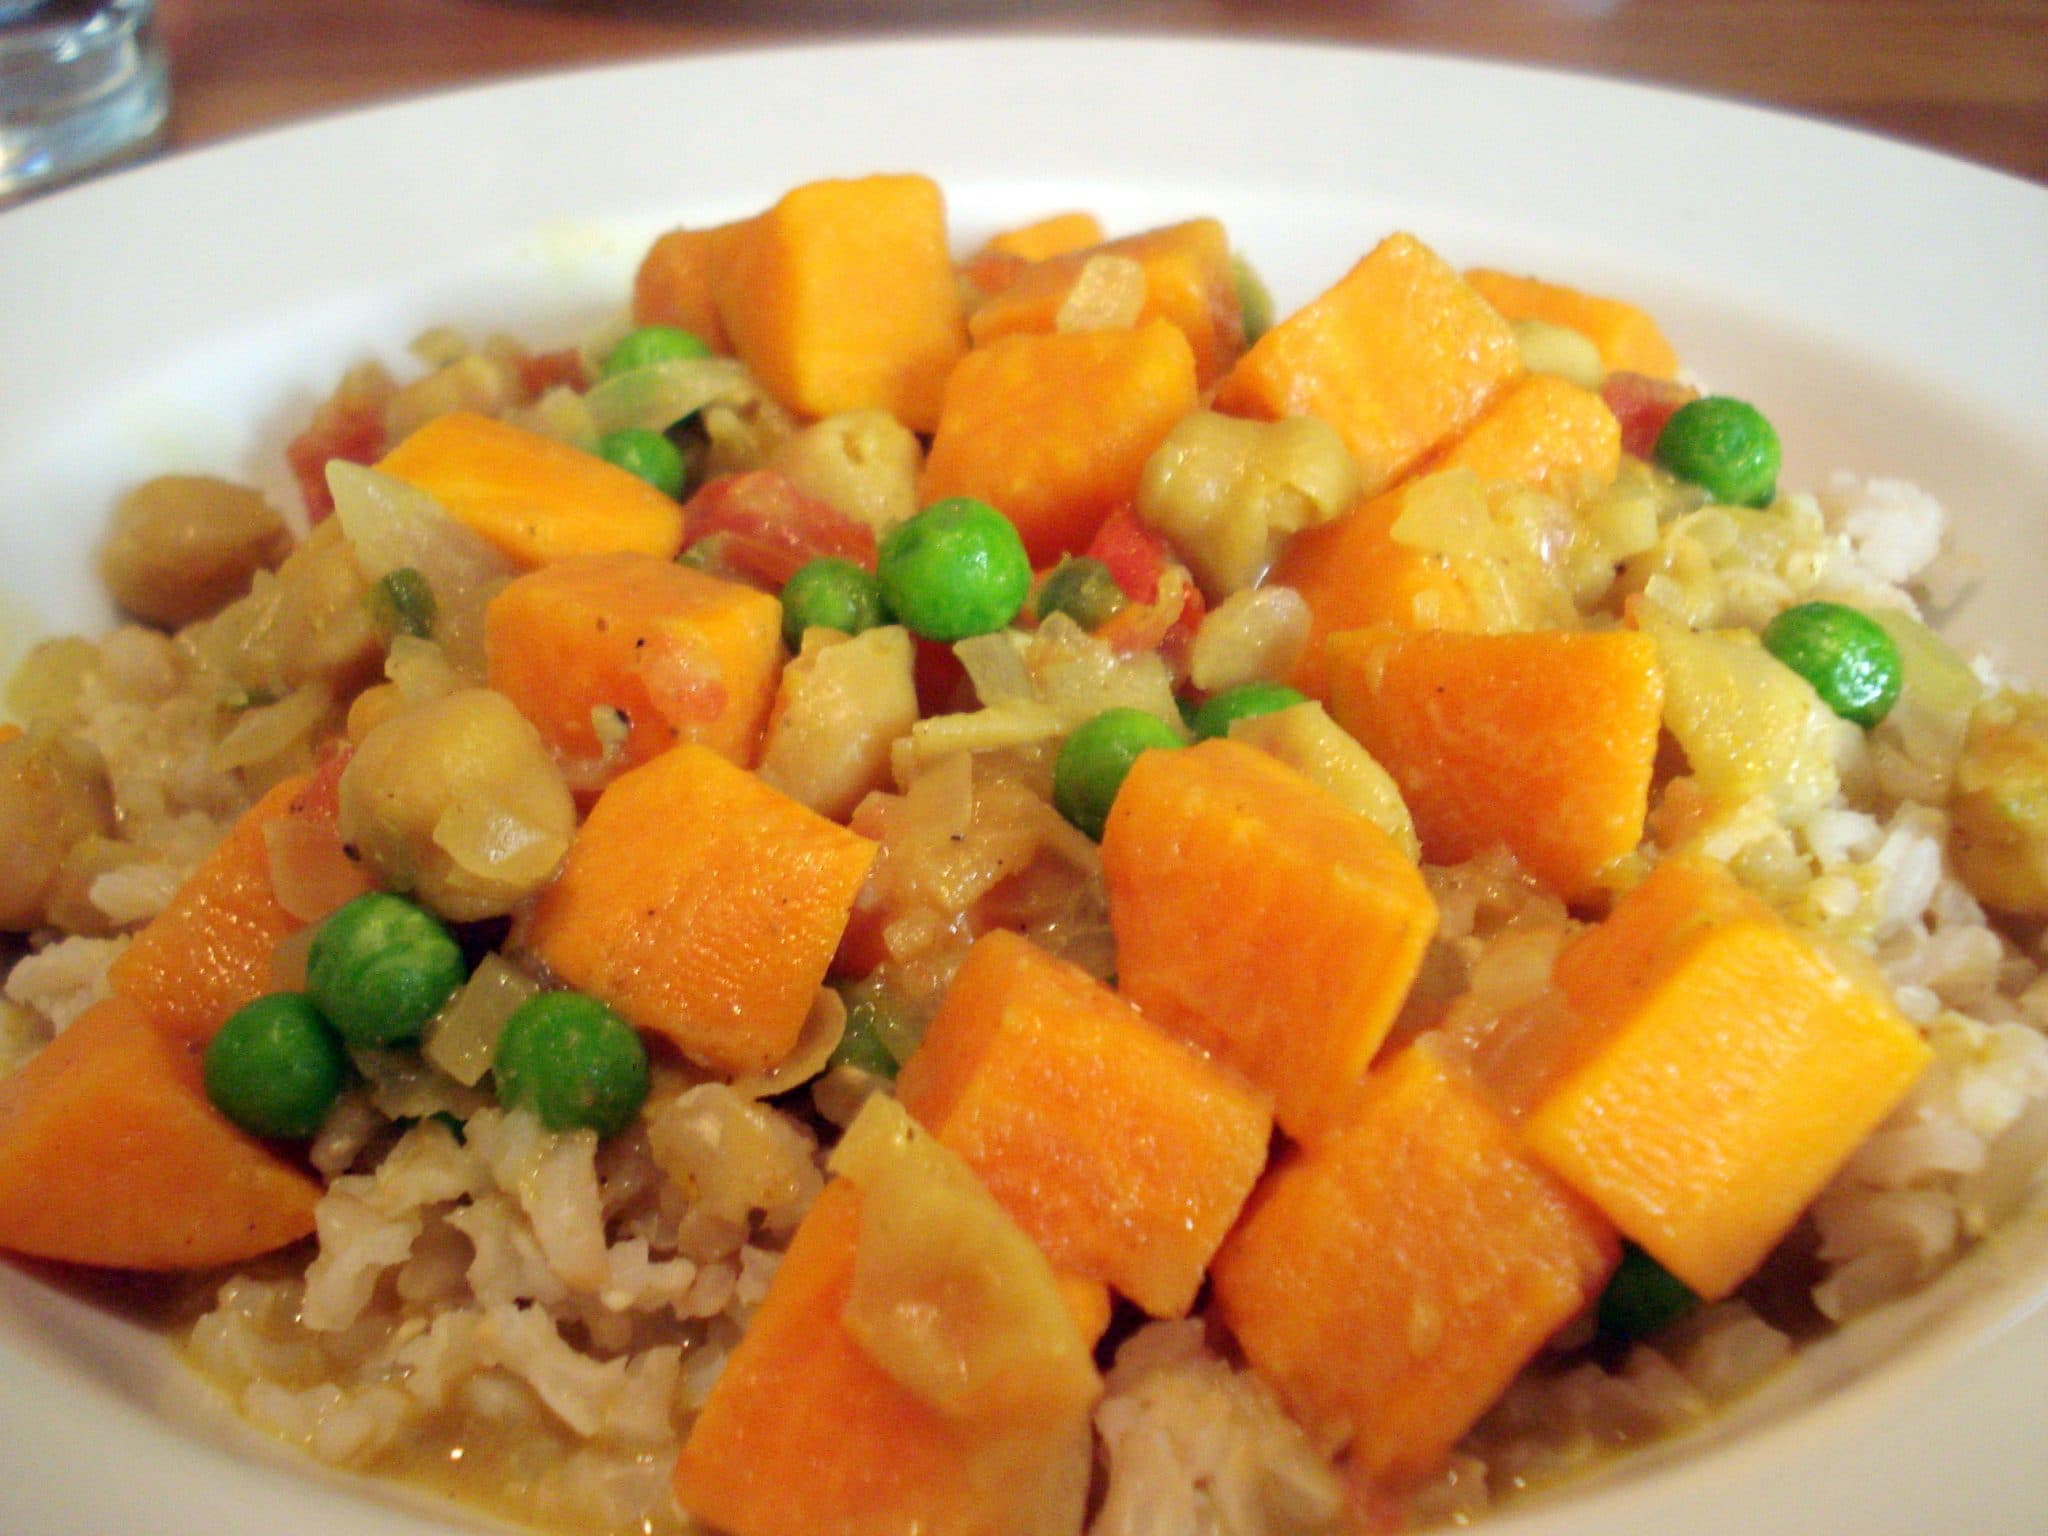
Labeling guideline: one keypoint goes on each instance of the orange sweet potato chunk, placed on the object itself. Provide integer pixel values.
(1353, 573)
(1054, 430)
(1188, 284)
(703, 906)
(1542, 743)
(803, 1433)
(1543, 431)
(111, 1154)
(1399, 356)
(536, 499)
(1122, 1152)
(1259, 918)
(1718, 1069)
(678, 654)
(1390, 1281)
(1627, 338)
(841, 298)
(674, 283)
(1054, 235)
(208, 952)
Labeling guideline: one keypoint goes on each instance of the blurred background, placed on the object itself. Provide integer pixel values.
(1967, 77)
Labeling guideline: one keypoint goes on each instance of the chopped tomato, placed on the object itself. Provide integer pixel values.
(941, 680)
(1642, 405)
(1135, 555)
(1138, 559)
(349, 430)
(320, 801)
(768, 530)
(540, 372)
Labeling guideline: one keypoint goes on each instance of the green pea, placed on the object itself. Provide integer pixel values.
(1083, 589)
(1217, 713)
(653, 344)
(1095, 759)
(862, 1046)
(830, 593)
(573, 1062)
(954, 570)
(380, 967)
(1254, 301)
(1642, 1298)
(1850, 659)
(646, 454)
(402, 603)
(1725, 446)
(276, 1067)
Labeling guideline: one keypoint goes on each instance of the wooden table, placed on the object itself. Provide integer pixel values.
(1969, 77)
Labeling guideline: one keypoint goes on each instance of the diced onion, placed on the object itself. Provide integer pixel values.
(463, 1037)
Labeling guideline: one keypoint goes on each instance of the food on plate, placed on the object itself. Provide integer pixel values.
(997, 890)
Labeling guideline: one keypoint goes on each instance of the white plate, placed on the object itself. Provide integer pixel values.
(1886, 306)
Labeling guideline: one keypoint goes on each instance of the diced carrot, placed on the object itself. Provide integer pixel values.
(1716, 1068)
(1043, 239)
(1628, 339)
(111, 1154)
(674, 284)
(1542, 743)
(1544, 431)
(676, 655)
(1188, 284)
(1123, 1153)
(1054, 430)
(841, 298)
(1353, 573)
(1399, 356)
(703, 906)
(208, 952)
(1212, 851)
(1391, 1280)
(806, 1435)
(534, 498)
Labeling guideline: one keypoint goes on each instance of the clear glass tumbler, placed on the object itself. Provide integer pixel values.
(82, 83)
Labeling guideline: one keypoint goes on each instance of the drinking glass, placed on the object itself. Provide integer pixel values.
(82, 83)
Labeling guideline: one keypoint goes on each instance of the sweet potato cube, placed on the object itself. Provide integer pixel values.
(111, 1154)
(674, 285)
(1719, 1069)
(1188, 284)
(703, 906)
(805, 1433)
(1399, 356)
(1261, 919)
(1353, 573)
(841, 298)
(673, 654)
(536, 499)
(1542, 743)
(1054, 235)
(1122, 1152)
(1543, 431)
(208, 952)
(1628, 339)
(1054, 430)
(1391, 1280)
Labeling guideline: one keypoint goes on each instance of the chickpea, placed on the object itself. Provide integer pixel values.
(458, 803)
(185, 546)
(52, 795)
(865, 463)
(1227, 492)
(306, 623)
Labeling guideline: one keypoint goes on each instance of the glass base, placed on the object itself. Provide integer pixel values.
(83, 83)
